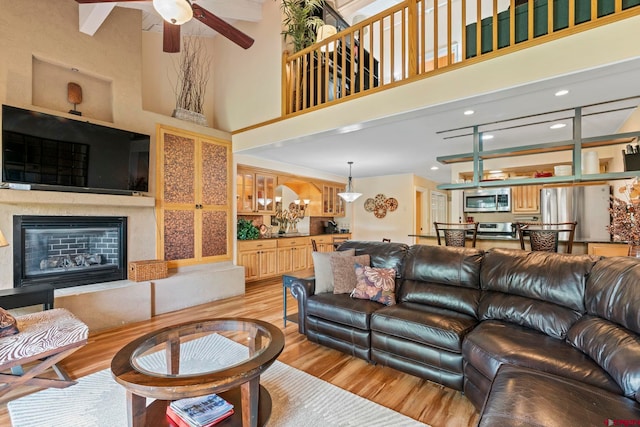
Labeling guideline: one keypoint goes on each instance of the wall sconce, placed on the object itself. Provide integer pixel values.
(3, 240)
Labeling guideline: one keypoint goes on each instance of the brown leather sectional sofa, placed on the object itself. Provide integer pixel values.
(531, 338)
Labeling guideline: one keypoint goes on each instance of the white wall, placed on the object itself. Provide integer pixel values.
(396, 225)
(247, 82)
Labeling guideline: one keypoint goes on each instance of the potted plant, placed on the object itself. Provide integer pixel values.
(247, 231)
(301, 22)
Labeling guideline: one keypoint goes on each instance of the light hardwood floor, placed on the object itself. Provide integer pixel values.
(419, 399)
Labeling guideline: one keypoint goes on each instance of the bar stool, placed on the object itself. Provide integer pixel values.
(546, 236)
(455, 234)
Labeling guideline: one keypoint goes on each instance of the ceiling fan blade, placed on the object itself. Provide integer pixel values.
(170, 37)
(222, 27)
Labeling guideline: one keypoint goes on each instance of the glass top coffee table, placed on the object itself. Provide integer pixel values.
(224, 356)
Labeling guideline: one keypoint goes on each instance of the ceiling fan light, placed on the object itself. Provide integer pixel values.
(175, 12)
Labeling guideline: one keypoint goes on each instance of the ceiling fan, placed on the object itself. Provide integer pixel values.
(176, 12)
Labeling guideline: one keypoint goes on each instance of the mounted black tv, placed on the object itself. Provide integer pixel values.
(55, 153)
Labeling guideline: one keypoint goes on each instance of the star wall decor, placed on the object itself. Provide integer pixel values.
(380, 204)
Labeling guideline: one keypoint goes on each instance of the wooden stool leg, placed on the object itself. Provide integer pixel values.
(29, 377)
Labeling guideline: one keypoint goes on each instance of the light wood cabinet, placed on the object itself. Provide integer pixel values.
(293, 254)
(324, 243)
(525, 199)
(258, 257)
(193, 197)
(332, 204)
(608, 249)
(255, 191)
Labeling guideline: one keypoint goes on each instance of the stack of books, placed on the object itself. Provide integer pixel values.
(201, 411)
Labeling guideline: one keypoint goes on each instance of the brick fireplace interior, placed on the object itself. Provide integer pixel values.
(67, 251)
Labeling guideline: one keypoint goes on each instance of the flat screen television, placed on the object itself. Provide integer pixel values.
(55, 153)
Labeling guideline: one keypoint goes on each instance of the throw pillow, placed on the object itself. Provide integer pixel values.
(344, 272)
(375, 284)
(8, 324)
(322, 269)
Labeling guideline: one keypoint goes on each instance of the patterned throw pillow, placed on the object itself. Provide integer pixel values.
(375, 284)
(344, 273)
(8, 324)
(322, 269)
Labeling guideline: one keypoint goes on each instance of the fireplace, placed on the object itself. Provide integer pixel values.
(66, 251)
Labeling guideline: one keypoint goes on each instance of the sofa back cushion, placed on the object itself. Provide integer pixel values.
(613, 291)
(538, 290)
(382, 254)
(609, 334)
(442, 276)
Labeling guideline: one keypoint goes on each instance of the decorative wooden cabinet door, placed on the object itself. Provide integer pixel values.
(193, 203)
(525, 199)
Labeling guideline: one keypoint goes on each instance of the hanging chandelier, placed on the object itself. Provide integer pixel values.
(349, 195)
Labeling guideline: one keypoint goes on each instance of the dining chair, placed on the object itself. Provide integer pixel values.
(455, 234)
(546, 236)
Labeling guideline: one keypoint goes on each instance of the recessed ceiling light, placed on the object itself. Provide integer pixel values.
(468, 112)
(562, 92)
(434, 168)
(557, 126)
(487, 136)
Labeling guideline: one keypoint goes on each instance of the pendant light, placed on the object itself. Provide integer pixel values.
(175, 12)
(349, 195)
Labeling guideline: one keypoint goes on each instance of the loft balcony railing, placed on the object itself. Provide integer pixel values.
(414, 39)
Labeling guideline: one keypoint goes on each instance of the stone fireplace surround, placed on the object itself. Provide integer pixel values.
(110, 304)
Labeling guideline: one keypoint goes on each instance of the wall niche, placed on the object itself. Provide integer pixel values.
(49, 90)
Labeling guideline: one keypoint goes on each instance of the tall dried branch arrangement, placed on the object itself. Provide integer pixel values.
(193, 75)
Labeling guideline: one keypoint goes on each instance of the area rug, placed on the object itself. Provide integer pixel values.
(299, 399)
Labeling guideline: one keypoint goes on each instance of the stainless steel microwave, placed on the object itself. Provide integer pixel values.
(487, 200)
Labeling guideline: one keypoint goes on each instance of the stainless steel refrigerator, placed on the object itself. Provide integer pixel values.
(586, 204)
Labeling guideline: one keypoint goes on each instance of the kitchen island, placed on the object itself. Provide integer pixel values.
(486, 242)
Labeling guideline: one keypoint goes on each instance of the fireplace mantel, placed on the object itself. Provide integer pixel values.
(21, 197)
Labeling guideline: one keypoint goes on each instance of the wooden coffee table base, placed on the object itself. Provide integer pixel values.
(156, 412)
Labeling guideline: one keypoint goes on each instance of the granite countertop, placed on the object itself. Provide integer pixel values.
(515, 239)
(291, 235)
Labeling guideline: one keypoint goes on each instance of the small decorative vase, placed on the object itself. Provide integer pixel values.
(634, 250)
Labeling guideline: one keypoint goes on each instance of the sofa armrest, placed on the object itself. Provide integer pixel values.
(302, 289)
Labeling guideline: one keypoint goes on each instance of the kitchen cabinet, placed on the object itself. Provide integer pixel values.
(258, 257)
(255, 191)
(525, 199)
(327, 243)
(324, 243)
(332, 204)
(608, 249)
(293, 254)
(193, 205)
